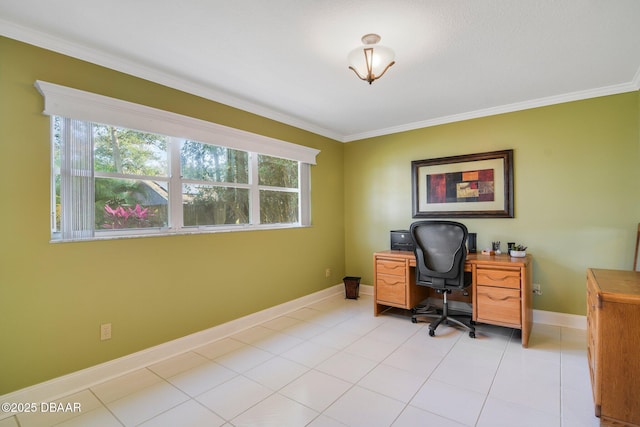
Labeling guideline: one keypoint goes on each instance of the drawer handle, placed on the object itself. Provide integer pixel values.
(498, 278)
(386, 282)
(491, 297)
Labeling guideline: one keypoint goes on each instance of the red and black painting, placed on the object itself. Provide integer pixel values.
(457, 187)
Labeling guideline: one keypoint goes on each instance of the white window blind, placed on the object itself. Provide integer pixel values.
(76, 183)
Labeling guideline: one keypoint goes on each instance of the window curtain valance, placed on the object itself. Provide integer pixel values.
(67, 102)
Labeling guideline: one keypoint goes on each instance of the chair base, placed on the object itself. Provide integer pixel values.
(443, 317)
(424, 310)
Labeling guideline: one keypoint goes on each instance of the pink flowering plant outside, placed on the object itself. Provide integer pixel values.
(121, 217)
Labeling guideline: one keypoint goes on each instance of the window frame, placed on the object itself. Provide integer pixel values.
(80, 105)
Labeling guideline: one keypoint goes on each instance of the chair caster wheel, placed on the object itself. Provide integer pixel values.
(432, 333)
(472, 334)
(414, 320)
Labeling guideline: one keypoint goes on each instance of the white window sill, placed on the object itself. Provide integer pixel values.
(136, 234)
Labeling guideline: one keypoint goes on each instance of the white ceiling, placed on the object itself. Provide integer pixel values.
(286, 59)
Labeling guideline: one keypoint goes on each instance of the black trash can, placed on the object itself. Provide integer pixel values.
(351, 287)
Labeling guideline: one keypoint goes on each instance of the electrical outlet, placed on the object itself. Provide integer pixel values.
(536, 289)
(105, 331)
(327, 272)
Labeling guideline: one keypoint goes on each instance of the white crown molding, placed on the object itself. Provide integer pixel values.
(45, 41)
(636, 80)
(509, 108)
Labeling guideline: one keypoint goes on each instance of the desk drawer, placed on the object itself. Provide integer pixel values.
(391, 289)
(391, 267)
(500, 305)
(499, 277)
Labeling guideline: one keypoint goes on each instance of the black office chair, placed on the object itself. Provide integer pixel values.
(440, 249)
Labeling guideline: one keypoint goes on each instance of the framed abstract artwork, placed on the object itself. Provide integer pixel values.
(468, 186)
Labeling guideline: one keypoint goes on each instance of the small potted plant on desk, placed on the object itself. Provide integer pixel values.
(518, 251)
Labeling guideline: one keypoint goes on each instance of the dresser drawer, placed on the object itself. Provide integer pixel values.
(500, 305)
(591, 332)
(391, 289)
(391, 267)
(503, 278)
(591, 323)
(592, 301)
(592, 366)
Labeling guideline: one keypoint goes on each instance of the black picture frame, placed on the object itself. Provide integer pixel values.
(440, 174)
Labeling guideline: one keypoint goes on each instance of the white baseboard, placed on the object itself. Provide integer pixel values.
(366, 289)
(560, 319)
(83, 379)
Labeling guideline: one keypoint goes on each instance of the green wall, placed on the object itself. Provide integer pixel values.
(576, 175)
(53, 297)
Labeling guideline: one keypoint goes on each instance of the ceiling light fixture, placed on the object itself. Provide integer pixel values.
(371, 60)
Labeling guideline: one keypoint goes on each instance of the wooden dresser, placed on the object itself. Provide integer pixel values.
(613, 341)
(501, 288)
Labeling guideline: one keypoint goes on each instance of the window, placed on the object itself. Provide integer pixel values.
(215, 185)
(278, 183)
(110, 180)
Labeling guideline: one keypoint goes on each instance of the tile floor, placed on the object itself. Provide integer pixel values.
(334, 364)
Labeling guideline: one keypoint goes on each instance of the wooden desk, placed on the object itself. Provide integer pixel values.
(613, 343)
(501, 288)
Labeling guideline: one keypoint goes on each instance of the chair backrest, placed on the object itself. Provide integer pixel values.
(440, 249)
